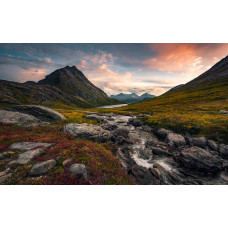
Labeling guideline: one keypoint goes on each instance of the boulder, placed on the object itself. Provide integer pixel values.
(199, 159)
(21, 119)
(135, 122)
(78, 169)
(198, 141)
(28, 145)
(27, 156)
(162, 133)
(41, 168)
(95, 117)
(177, 140)
(88, 131)
(212, 144)
(39, 112)
(223, 150)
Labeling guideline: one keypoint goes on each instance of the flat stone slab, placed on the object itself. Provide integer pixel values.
(40, 112)
(88, 131)
(41, 168)
(25, 157)
(28, 145)
(21, 119)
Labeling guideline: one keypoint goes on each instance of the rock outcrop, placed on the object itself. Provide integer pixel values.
(200, 159)
(21, 119)
(40, 112)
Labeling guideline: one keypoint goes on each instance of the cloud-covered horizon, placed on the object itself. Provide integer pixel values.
(115, 68)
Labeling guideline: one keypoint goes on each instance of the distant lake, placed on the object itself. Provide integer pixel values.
(112, 106)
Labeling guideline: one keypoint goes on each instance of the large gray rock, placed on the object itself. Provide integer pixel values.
(198, 141)
(21, 119)
(41, 168)
(223, 150)
(40, 112)
(28, 145)
(78, 169)
(177, 140)
(199, 159)
(88, 131)
(4, 155)
(25, 157)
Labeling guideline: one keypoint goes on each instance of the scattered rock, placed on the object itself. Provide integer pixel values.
(4, 155)
(199, 159)
(162, 133)
(39, 112)
(41, 168)
(223, 150)
(89, 131)
(78, 169)
(212, 144)
(95, 117)
(178, 140)
(25, 157)
(28, 145)
(198, 141)
(12, 118)
(224, 112)
(65, 162)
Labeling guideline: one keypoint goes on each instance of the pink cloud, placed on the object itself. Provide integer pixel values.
(185, 59)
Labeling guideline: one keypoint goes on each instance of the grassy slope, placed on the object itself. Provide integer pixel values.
(102, 165)
(195, 111)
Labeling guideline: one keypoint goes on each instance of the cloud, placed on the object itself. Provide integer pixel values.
(187, 60)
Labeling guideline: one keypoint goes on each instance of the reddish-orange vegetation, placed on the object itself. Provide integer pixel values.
(101, 163)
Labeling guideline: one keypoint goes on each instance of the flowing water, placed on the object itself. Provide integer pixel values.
(112, 106)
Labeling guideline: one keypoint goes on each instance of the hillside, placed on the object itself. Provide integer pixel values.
(66, 86)
(193, 107)
(132, 98)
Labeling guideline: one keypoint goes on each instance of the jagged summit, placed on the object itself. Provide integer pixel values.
(67, 85)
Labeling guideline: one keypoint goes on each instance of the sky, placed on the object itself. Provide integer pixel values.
(115, 68)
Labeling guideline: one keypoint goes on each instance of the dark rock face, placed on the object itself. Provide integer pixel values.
(223, 150)
(198, 141)
(39, 112)
(212, 144)
(200, 159)
(162, 133)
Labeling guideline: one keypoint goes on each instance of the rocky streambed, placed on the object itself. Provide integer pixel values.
(148, 155)
(157, 156)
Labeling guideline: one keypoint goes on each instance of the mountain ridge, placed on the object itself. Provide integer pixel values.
(132, 97)
(67, 86)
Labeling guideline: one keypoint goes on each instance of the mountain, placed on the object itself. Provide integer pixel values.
(132, 98)
(67, 86)
(196, 107)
